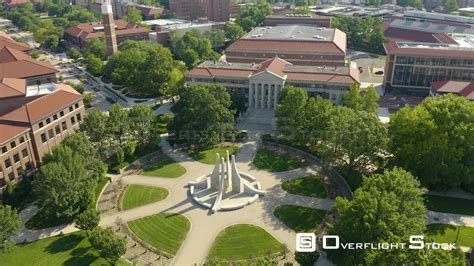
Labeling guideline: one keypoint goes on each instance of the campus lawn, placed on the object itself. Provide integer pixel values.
(139, 153)
(300, 219)
(243, 241)
(310, 186)
(209, 156)
(165, 168)
(164, 231)
(138, 195)
(71, 249)
(43, 219)
(274, 161)
(446, 233)
(449, 204)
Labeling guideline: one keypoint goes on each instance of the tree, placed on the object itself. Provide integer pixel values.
(88, 220)
(203, 115)
(353, 98)
(389, 208)
(9, 226)
(233, 32)
(142, 119)
(238, 103)
(97, 48)
(216, 37)
(79, 14)
(95, 127)
(290, 113)
(253, 15)
(134, 15)
(370, 100)
(354, 140)
(107, 243)
(434, 141)
(303, 10)
(118, 123)
(63, 185)
(94, 65)
(450, 6)
(191, 41)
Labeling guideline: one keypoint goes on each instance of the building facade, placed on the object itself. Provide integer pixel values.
(33, 119)
(299, 19)
(215, 10)
(413, 67)
(297, 44)
(262, 83)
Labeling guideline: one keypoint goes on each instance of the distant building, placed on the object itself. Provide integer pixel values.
(417, 31)
(461, 88)
(17, 64)
(297, 44)
(300, 19)
(354, 11)
(81, 34)
(412, 67)
(262, 83)
(33, 119)
(163, 28)
(215, 10)
(447, 19)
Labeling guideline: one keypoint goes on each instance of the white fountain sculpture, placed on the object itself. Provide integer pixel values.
(225, 188)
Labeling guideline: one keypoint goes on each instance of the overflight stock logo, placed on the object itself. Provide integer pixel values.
(306, 242)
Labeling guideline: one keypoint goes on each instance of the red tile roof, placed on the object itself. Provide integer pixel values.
(16, 64)
(86, 30)
(7, 41)
(462, 88)
(7, 132)
(32, 109)
(12, 87)
(274, 65)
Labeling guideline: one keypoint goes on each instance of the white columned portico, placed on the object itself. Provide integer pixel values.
(257, 88)
(275, 96)
(262, 96)
(269, 97)
(251, 88)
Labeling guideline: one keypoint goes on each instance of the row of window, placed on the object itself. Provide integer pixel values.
(13, 144)
(57, 129)
(20, 171)
(55, 116)
(16, 158)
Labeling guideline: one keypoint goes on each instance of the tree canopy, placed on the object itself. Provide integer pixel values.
(253, 15)
(233, 32)
(203, 115)
(9, 226)
(434, 141)
(192, 48)
(389, 208)
(108, 243)
(357, 101)
(134, 15)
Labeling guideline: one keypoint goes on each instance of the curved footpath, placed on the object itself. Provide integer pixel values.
(205, 226)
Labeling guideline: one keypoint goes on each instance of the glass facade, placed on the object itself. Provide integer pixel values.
(420, 72)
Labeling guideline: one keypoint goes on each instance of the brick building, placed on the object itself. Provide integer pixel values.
(33, 119)
(81, 34)
(299, 19)
(297, 44)
(215, 10)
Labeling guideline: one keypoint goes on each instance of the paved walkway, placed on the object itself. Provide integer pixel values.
(449, 218)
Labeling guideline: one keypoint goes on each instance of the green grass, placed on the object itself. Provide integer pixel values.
(300, 219)
(445, 233)
(243, 241)
(70, 249)
(209, 156)
(274, 161)
(310, 186)
(164, 231)
(138, 195)
(165, 168)
(102, 183)
(139, 153)
(449, 204)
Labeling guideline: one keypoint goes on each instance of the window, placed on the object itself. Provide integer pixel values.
(57, 129)
(13, 144)
(64, 126)
(22, 139)
(4, 149)
(79, 117)
(16, 157)
(11, 176)
(73, 120)
(55, 117)
(2, 182)
(43, 138)
(24, 152)
(50, 133)
(19, 171)
(29, 166)
(71, 108)
(40, 124)
(61, 113)
(76, 105)
(8, 163)
(48, 120)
